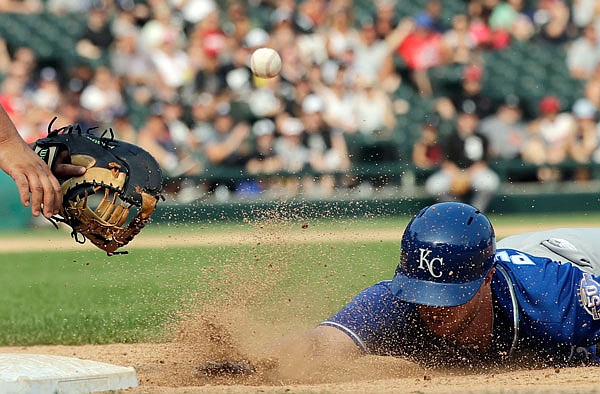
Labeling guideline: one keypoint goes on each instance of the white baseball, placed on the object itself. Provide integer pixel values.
(265, 63)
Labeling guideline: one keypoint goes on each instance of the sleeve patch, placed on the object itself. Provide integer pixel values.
(589, 295)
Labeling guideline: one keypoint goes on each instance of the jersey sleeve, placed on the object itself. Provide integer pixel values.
(559, 303)
(375, 320)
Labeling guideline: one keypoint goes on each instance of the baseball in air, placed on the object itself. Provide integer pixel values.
(265, 63)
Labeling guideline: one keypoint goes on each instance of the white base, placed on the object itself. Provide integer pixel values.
(37, 373)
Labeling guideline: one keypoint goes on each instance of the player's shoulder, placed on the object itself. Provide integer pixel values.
(378, 289)
(514, 257)
(376, 297)
(526, 265)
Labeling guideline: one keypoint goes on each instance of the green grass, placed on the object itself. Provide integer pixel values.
(87, 297)
(83, 296)
(330, 224)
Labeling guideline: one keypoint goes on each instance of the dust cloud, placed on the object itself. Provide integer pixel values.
(231, 331)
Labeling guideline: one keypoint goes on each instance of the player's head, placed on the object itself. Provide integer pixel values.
(447, 250)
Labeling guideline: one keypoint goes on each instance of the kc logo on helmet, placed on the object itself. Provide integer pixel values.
(429, 263)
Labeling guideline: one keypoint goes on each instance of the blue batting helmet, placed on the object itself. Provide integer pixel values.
(447, 251)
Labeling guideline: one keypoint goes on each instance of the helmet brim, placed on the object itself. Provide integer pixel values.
(428, 293)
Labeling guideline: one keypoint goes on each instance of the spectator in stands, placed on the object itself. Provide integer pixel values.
(156, 139)
(313, 14)
(552, 21)
(310, 40)
(206, 42)
(181, 135)
(215, 42)
(471, 91)
(327, 147)
(341, 36)
(62, 7)
(202, 111)
(5, 59)
(459, 41)
(465, 168)
(284, 40)
(551, 133)
(339, 100)
(386, 18)
(238, 75)
(504, 14)
(490, 21)
(292, 153)
(374, 111)
(123, 128)
(188, 149)
(97, 35)
(12, 98)
(78, 77)
(172, 66)
(237, 24)
(23, 76)
(123, 20)
(21, 6)
(226, 147)
(263, 159)
(585, 12)
(265, 101)
(502, 19)
(289, 9)
(555, 127)
(33, 104)
(505, 130)
(434, 9)
(583, 54)
(293, 100)
(427, 152)
(479, 13)
(48, 93)
(592, 87)
(161, 24)
(103, 96)
(423, 48)
(583, 147)
(70, 112)
(194, 11)
(522, 29)
(24, 58)
(534, 152)
(128, 61)
(372, 56)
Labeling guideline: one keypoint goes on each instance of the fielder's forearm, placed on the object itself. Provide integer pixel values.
(8, 131)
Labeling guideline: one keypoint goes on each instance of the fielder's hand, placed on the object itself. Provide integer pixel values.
(37, 186)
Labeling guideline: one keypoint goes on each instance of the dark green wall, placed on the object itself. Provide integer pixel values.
(502, 204)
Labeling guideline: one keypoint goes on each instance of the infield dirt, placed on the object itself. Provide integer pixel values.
(226, 330)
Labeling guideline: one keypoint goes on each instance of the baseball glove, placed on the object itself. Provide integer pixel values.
(122, 181)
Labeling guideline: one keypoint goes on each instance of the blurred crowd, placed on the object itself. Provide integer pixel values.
(173, 77)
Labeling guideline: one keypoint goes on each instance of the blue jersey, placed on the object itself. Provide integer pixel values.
(543, 310)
